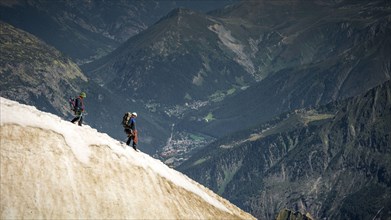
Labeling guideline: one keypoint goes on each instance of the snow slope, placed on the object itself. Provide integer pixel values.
(51, 168)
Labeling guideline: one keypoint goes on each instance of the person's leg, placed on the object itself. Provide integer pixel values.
(135, 140)
(75, 119)
(127, 132)
(128, 141)
(81, 120)
(134, 145)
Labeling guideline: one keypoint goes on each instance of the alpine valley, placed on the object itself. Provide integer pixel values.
(272, 104)
(332, 161)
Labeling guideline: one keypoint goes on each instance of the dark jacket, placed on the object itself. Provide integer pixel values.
(79, 105)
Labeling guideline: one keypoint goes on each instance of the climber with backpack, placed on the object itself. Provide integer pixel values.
(77, 106)
(129, 123)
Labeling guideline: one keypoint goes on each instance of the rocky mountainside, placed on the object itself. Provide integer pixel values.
(34, 73)
(53, 169)
(323, 161)
(200, 70)
(310, 57)
(195, 76)
(86, 30)
(287, 214)
(176, 61)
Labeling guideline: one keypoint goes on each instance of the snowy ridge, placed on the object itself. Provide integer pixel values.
(80, 140)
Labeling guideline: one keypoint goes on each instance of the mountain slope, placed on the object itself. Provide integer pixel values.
(33, 72)
(87, 30)
(318, 161)
(190, 69)
(310, 59)
(51, 168)
(176, 61)
(183, 73)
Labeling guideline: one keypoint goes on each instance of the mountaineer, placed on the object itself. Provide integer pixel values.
(77, 106)
(129, 123)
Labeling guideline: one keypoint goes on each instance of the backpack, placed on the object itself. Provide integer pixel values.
(72, 103)
(126, 118)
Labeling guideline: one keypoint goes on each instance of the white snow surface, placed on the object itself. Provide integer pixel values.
(79, 138)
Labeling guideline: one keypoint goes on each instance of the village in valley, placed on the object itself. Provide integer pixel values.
(180, 147)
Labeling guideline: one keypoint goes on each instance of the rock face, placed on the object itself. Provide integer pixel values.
(320, 161)
(287, 214)
(36, 73)
(307, 53)
(53, 169)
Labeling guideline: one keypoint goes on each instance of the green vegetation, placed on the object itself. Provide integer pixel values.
(209, 117)
(188, 96)
(196, 137)
(200, 161)
(228, 176)
(291, 122)
(312, 116)
(231, 91)
(219, 96)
